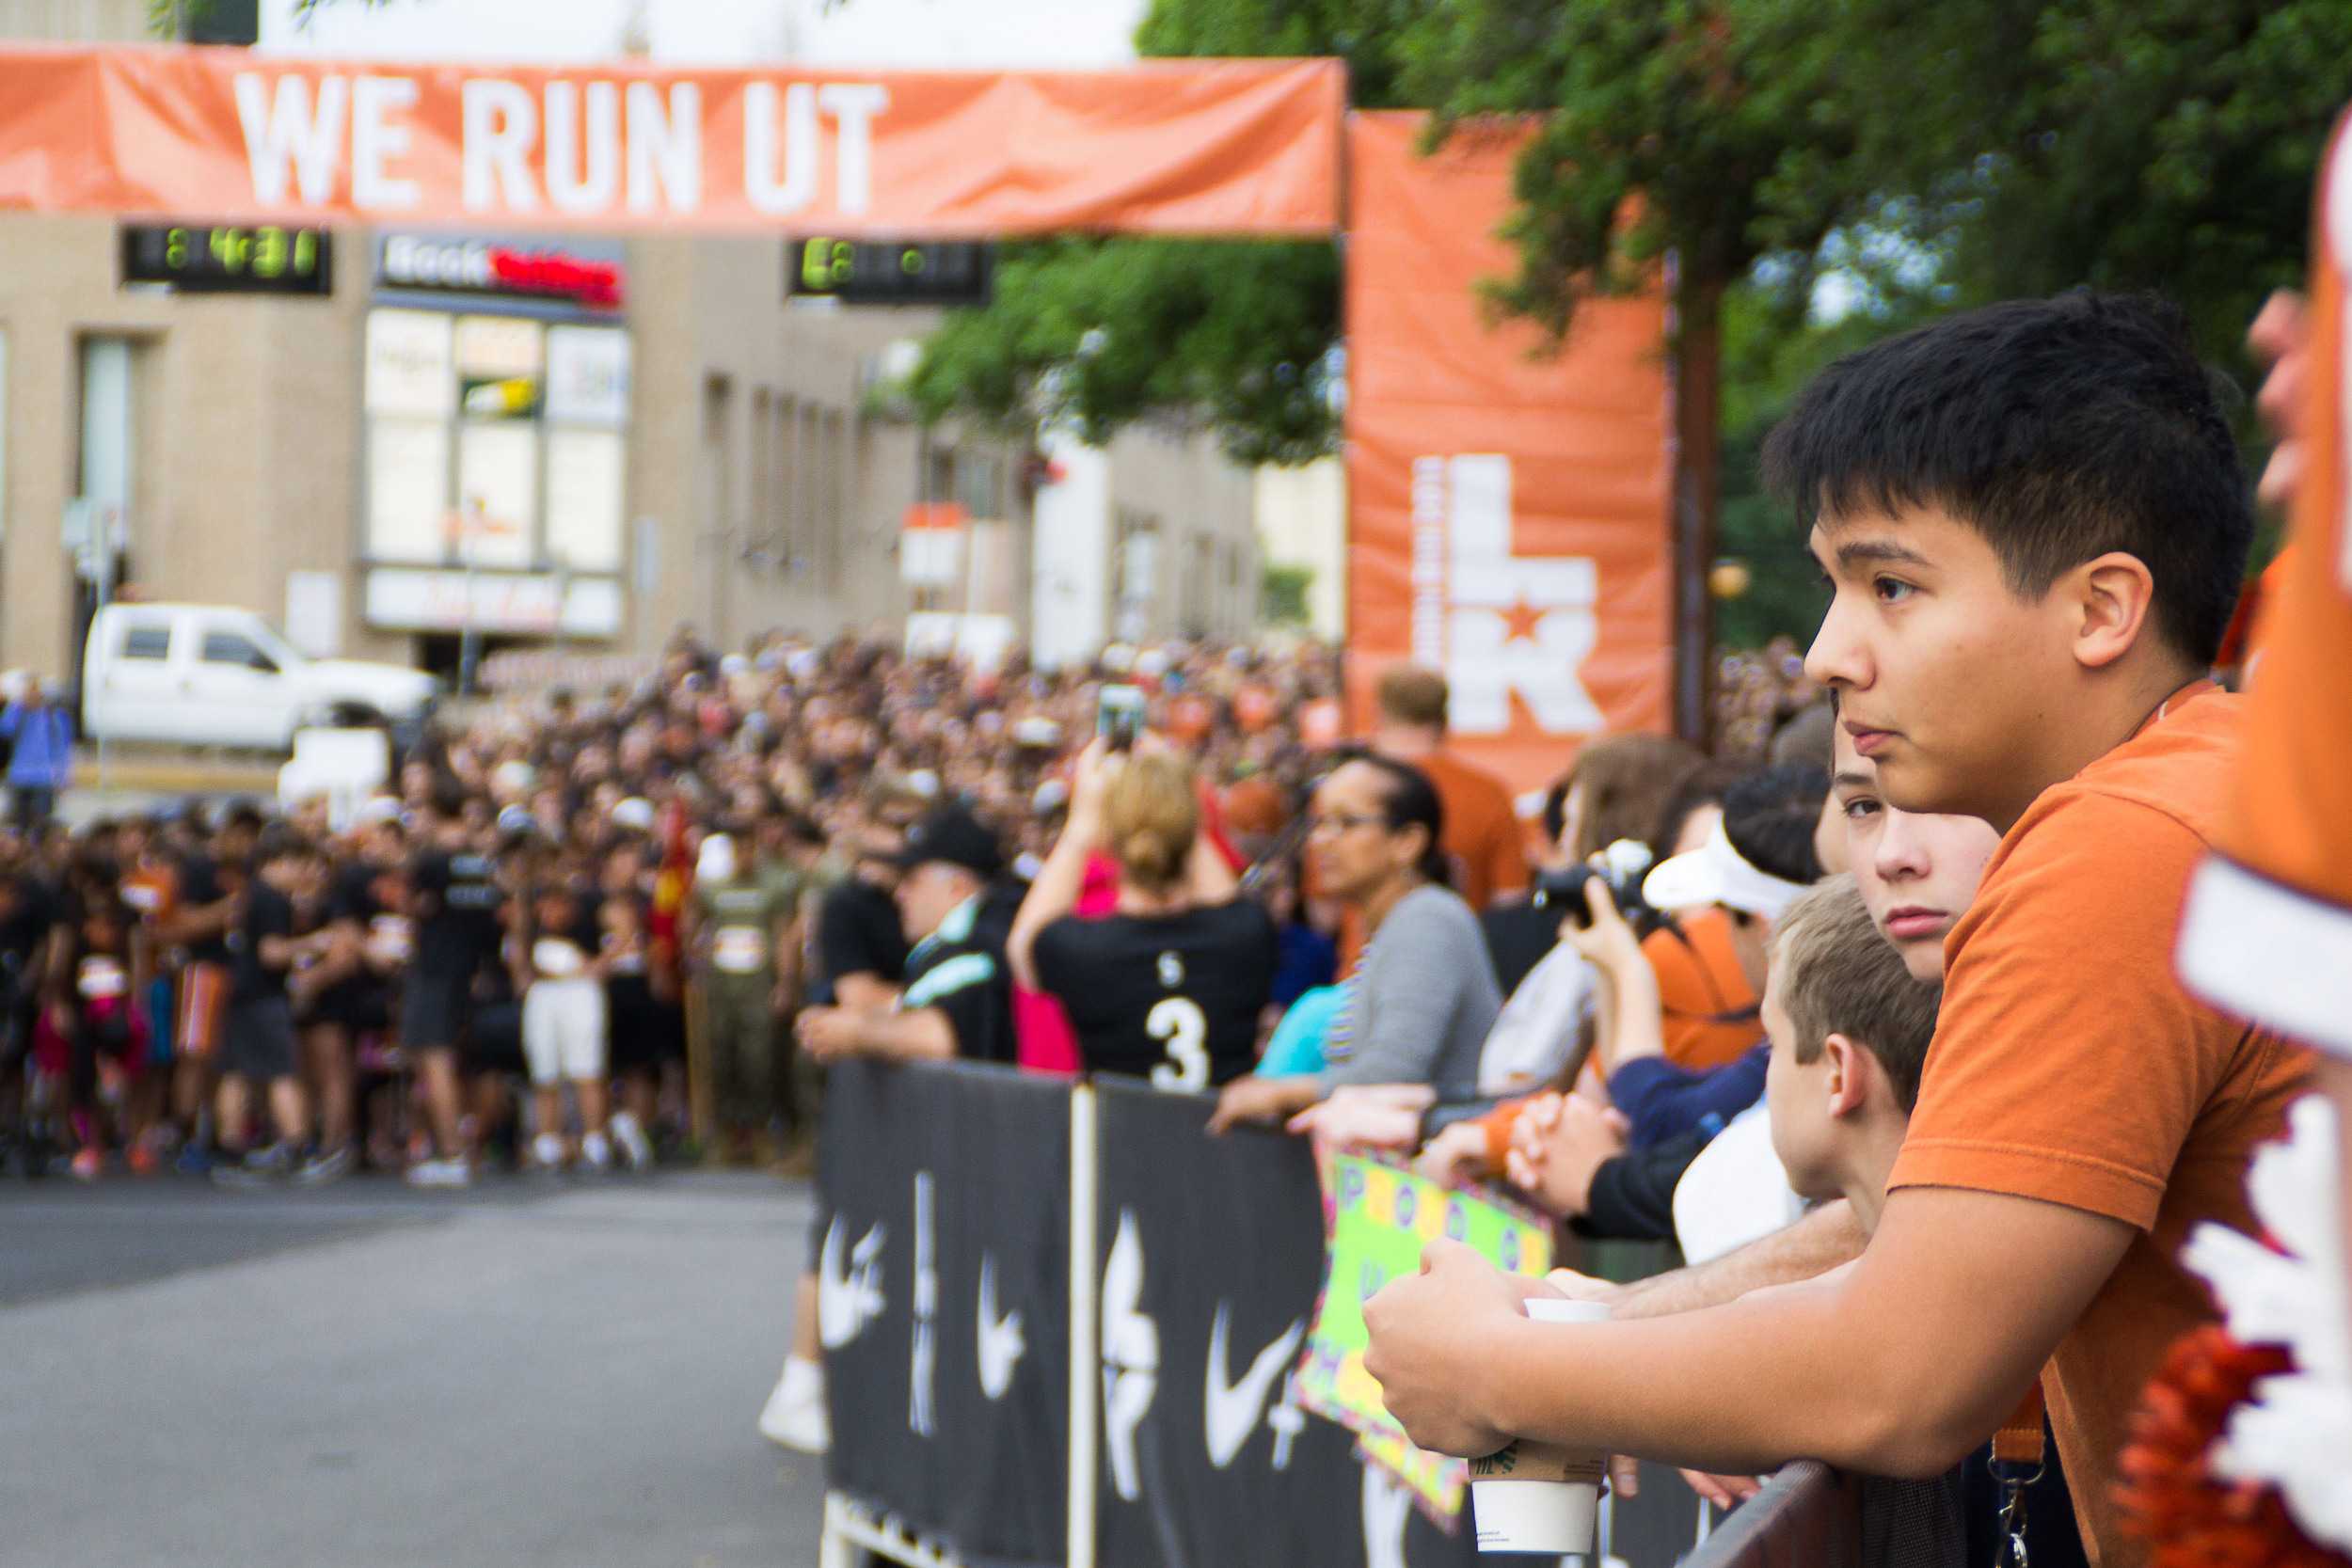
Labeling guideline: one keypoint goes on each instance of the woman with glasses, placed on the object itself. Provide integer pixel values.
(1423, 994)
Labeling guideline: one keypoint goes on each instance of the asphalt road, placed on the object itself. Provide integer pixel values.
(364, 1377)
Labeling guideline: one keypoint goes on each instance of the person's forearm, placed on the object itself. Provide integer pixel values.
(1897, 1366)
(1209, 877)
(922, 1035)
(1638, 1023)
(1827, 1237)
(864, 992)
(1053, 894)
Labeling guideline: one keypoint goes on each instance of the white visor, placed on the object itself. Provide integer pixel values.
(1715, 873)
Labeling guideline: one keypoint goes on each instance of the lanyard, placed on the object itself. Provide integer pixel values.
(2019, 1457)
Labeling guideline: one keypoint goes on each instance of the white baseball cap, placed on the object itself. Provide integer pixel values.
(1716, 873)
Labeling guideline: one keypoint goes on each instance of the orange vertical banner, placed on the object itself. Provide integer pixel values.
(1509, 506)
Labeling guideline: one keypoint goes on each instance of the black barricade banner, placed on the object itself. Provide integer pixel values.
(1210, 1253)
(944, 1303)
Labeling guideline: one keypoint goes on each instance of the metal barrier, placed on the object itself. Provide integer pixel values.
(1807, 1517)
(1044, 1308)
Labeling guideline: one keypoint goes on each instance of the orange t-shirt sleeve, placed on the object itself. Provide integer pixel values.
(2069, 1065)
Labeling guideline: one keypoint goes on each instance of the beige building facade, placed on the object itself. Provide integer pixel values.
(544, 439)
(379, 465)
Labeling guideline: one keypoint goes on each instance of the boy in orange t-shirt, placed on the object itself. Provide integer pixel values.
(2034, 523)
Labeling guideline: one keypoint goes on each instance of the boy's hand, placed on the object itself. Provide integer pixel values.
(1429, 1333)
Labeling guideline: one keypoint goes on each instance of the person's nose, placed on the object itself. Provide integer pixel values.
(1901, 854)
(1838, 656)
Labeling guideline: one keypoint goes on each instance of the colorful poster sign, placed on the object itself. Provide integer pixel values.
(1380, 1218)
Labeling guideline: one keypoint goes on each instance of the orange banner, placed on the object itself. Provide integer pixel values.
(1193, 147)
(1509, 510)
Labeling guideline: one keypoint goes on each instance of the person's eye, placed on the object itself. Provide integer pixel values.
(1891, 590)
(1860, 807)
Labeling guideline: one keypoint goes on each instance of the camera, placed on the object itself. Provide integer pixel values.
(1622, 867)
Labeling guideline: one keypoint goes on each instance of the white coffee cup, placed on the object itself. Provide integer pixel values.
(1540, 1496)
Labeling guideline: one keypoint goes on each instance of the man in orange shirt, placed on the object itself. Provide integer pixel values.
(1482, 837)
(2034, 522)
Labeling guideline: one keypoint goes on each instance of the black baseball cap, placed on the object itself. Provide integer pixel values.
(952, 834)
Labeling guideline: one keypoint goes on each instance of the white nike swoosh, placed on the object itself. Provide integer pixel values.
(1001, 1342)
(1388, 1504)
(1230, 1412)
(848, 1299)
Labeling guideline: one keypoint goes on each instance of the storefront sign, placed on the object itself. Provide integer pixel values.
(532, 605)
(483, 267)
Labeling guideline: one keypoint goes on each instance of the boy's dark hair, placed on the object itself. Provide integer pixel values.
(2060, 428)
(1770, 816)
(1839, 976)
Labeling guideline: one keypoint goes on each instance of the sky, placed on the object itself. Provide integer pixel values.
(908, 34)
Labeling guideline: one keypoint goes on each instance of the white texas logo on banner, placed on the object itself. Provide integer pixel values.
(1494, 622)
(1131, 1357)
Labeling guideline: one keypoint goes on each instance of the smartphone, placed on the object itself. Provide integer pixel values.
(1119, 716)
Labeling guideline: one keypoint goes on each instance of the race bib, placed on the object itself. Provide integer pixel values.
(389, 938)
(102, 977)
(557, 958)
(146, 897)
(738, 950)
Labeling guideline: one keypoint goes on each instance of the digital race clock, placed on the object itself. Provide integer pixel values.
(229, 257)
(863, 271)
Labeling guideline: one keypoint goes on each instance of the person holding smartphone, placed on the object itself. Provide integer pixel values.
(1170, 985)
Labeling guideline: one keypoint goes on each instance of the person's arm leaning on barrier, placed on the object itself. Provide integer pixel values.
(1898, 1367)
(922, 1034)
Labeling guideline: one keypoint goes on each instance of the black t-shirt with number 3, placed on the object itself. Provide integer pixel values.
(1174, 998)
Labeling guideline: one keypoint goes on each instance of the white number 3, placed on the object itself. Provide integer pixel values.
(1178, 1019)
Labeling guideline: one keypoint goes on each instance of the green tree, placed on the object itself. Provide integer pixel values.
(1241, 334)
(1282, 594)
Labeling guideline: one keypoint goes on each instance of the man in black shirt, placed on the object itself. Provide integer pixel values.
(261, 1037)
(861, 949)
(958, 998)
(204, 909)
(345, 992)
(456, 909)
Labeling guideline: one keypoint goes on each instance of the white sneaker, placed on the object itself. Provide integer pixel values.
(547, 1152)
(595, 1152)
(795, 1416)
(635, 1145)
(452, 1172)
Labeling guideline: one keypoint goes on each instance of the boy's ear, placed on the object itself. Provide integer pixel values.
(2114, 601)
(1850, 1067)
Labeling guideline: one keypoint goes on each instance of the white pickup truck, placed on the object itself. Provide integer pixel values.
(213, 675)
